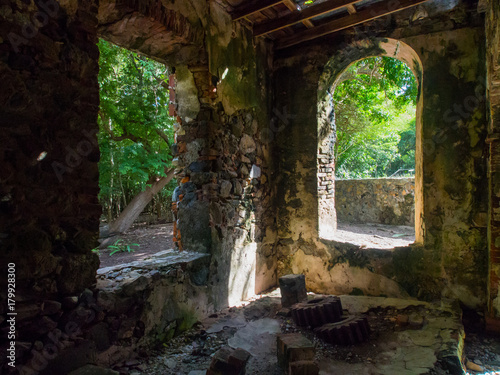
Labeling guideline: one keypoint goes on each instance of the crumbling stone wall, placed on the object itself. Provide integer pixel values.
(453, 262)
(493, 82)
(388, 201)
(326, 182)
(224, 163)
(48, 110)
(223, 151)
(49, 184)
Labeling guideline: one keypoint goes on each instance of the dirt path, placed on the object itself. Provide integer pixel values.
(151, 239)
(154, 238)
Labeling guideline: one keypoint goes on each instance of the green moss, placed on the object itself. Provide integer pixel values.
(409, 268)
(355, 258)
(187, 320)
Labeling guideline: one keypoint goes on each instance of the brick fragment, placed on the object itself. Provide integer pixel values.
(293, 347)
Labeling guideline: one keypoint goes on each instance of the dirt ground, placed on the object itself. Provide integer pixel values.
(154, 238)
(151, 239)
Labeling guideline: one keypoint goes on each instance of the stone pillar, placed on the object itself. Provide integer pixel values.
(493, 89)
(494, 236)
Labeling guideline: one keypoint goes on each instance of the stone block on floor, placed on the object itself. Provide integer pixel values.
(294, 347)
(293, 289)
(229, 361)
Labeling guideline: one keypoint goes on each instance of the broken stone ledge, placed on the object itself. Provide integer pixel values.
(134, 307)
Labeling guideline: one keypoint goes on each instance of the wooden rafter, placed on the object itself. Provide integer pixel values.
(370, 13)
(304, 15)
(293, 7)
(351, 9)
(252, 7)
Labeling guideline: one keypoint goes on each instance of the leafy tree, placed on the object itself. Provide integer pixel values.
(135, 133)
(375, 103)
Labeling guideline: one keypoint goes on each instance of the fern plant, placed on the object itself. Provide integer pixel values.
(121, 246)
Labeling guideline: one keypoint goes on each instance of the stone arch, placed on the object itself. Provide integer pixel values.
(332, 72)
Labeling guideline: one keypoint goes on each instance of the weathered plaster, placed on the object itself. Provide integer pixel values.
(450, 168)
(188, 105)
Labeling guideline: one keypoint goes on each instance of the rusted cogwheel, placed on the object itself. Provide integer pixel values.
(317, 312)
(351, 330)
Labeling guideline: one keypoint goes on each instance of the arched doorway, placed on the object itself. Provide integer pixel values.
(327, 220)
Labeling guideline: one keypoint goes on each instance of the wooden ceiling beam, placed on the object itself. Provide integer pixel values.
(293, 7)
(370, 13)
(351, 9)
(304, 15)
(252, 7)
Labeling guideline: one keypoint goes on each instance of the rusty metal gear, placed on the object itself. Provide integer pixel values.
(351, 330)
(317, 312)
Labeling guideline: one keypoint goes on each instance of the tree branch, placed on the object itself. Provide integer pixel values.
(163, 136)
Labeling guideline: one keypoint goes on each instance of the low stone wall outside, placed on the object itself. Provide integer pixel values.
(379, 200)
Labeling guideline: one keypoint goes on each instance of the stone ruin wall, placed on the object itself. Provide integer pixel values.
(452, 260)
(50, 215)
(50, 101)
(49, 104)
(493, 78)
(389, 201)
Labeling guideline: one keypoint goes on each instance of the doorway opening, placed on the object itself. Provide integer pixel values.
(369, 160)
(136, 134)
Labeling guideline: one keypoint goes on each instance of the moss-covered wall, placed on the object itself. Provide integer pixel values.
(452, 162)
(493, 84)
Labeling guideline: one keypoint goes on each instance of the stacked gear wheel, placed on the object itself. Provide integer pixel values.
(351, 330)
(317, 312)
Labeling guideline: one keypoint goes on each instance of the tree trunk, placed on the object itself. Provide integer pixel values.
(137, 205)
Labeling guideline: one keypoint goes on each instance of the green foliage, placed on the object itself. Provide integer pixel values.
(121, 246)
(375, 103)
(135, 129)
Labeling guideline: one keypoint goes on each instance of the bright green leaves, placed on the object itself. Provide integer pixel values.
(133, 121)
(374, 107)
